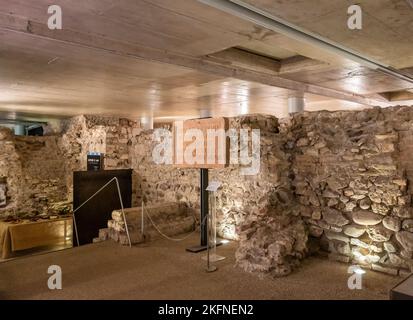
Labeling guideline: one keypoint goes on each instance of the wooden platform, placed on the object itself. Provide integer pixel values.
(404, 290)
(16, 237)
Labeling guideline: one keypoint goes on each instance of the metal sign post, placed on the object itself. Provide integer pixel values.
(212, 255)
(204, 212)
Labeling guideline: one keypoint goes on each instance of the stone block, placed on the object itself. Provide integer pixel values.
(366, 218)
(336, 236)
(390, 246)
(391, 271)
(334, 217)
(354, 230)
(405, 238)
(392, 223)
(379, 233)
(407, 225)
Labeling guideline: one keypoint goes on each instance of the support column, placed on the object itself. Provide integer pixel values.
(204, 206)
(19, 130)
(204, 199)
(205, 113)
(296, 103)
(147, 122)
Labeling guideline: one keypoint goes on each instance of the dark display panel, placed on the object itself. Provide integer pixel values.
(95, 214)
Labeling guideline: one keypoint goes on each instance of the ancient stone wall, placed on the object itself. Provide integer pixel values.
(108, 135)
(36, 173)
(32, 170)
(10, 173)
(343, 177)
(42, 184)
(259, 210)
(349, 177)
(240, 195)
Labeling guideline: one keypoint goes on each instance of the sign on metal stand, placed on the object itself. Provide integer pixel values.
(212, 255)
(212, 154)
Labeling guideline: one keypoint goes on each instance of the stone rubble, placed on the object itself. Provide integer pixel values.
(171, 219)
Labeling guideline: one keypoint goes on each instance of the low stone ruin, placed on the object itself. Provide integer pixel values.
(171, 219)
(272, 245)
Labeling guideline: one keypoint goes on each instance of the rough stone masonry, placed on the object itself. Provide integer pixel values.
(349, 177)
(333, 183)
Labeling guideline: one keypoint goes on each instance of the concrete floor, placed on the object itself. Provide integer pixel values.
(163, 270)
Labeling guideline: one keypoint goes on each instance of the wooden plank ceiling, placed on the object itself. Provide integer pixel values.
(173, 58)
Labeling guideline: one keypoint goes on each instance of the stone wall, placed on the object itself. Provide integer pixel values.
(36, 173)
(160, 183)
(32, 171)
(342, 177)
(349, 176)
(87, 133)
(10, 172)
(258, 210)
(240, 195)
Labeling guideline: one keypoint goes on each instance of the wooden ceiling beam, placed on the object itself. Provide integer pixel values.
(400, 96)
(256, 62)
(300, 63)
(383, 96)
(242, 58)
(13, 23)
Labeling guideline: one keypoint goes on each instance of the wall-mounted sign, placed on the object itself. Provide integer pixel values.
(201, 143)
(94, 161)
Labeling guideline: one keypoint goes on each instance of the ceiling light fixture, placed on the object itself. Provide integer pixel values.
(264, 19)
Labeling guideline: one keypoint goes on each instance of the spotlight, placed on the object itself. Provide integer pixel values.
(359, 270)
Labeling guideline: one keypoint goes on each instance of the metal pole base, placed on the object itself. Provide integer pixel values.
(196, 249)
(211, 269)
(213, 258)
